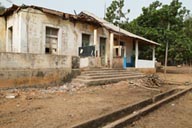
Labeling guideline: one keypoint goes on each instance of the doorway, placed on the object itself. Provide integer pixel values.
(102, 50)
(10, 39)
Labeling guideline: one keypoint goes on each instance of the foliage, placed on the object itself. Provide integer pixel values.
(2, 8)
(166, 23)
(115, 12)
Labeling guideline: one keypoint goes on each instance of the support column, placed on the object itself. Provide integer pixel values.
(18, 45)
(95, 42)
(95, 37)
(154, 56)
(136, 53)
(111, 49)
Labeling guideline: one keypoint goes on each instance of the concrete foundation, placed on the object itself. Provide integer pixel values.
(20, 70)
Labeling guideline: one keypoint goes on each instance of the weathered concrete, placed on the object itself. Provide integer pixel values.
(33, 77)
(103, 120)
(32, 24)
(75, 62)
(90, 62)
(19, 69)
(131, 113)
(29, 35)
(2, 35)
(101, 76)
(135, 116)
(36, 77)
(33, 61)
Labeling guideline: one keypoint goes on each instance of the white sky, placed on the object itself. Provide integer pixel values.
(94, 6)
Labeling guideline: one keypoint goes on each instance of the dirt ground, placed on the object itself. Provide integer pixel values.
(45, 108)
(176, 114)
(34, 109)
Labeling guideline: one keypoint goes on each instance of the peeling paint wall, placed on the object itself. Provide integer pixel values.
(90, 62)
(2, 35)
(129, 47)
(13, 22)
(29, 32)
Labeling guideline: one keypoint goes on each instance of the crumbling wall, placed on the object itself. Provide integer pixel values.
(13, 41)
(18, 70)
(34, 24)
(2, 35)
(33, 61)
(90, 62)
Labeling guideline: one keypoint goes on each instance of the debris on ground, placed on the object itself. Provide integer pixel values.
(11, 95)
(68, 87)
(40, 93)
(150, 81)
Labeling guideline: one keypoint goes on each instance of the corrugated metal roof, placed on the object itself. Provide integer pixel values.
(65, 16)
(16, 8)
(90, 18)
(112, 27)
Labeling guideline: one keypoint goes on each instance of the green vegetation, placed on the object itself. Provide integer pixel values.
(161, 23)
(2, 8)
(115, 12)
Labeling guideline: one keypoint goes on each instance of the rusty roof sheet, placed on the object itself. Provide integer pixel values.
(116, 29)
(83, 17)
(16, 8)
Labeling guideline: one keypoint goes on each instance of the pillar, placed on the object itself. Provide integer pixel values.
(95, 37)
(95, 42)
(111, 49)
(154, 55)
(136, 53)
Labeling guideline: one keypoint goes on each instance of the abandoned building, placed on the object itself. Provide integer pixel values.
(37, 41)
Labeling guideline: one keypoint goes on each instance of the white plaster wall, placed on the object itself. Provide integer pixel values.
(84, 62)
(14, 22)
(2, 35)
(145, 64)
(129, 46)
(102, 32)
(129, 50)
(70, 34)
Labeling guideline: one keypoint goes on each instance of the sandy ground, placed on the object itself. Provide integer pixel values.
(34, 108)
(176, 114)
(177, 78)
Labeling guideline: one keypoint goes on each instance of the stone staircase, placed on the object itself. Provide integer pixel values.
(106, 76)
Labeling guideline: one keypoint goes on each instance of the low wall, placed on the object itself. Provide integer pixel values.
(145, 64)
(33, 61)
(90, 62)
(19, 70)
(33, 77)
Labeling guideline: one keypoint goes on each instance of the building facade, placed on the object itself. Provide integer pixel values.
(35, 38)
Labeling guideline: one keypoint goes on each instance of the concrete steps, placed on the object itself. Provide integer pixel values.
(125, 116)
(106, 76)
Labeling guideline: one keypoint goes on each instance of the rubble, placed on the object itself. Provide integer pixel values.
(150, 81)
(40, 93)
(11, 95)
